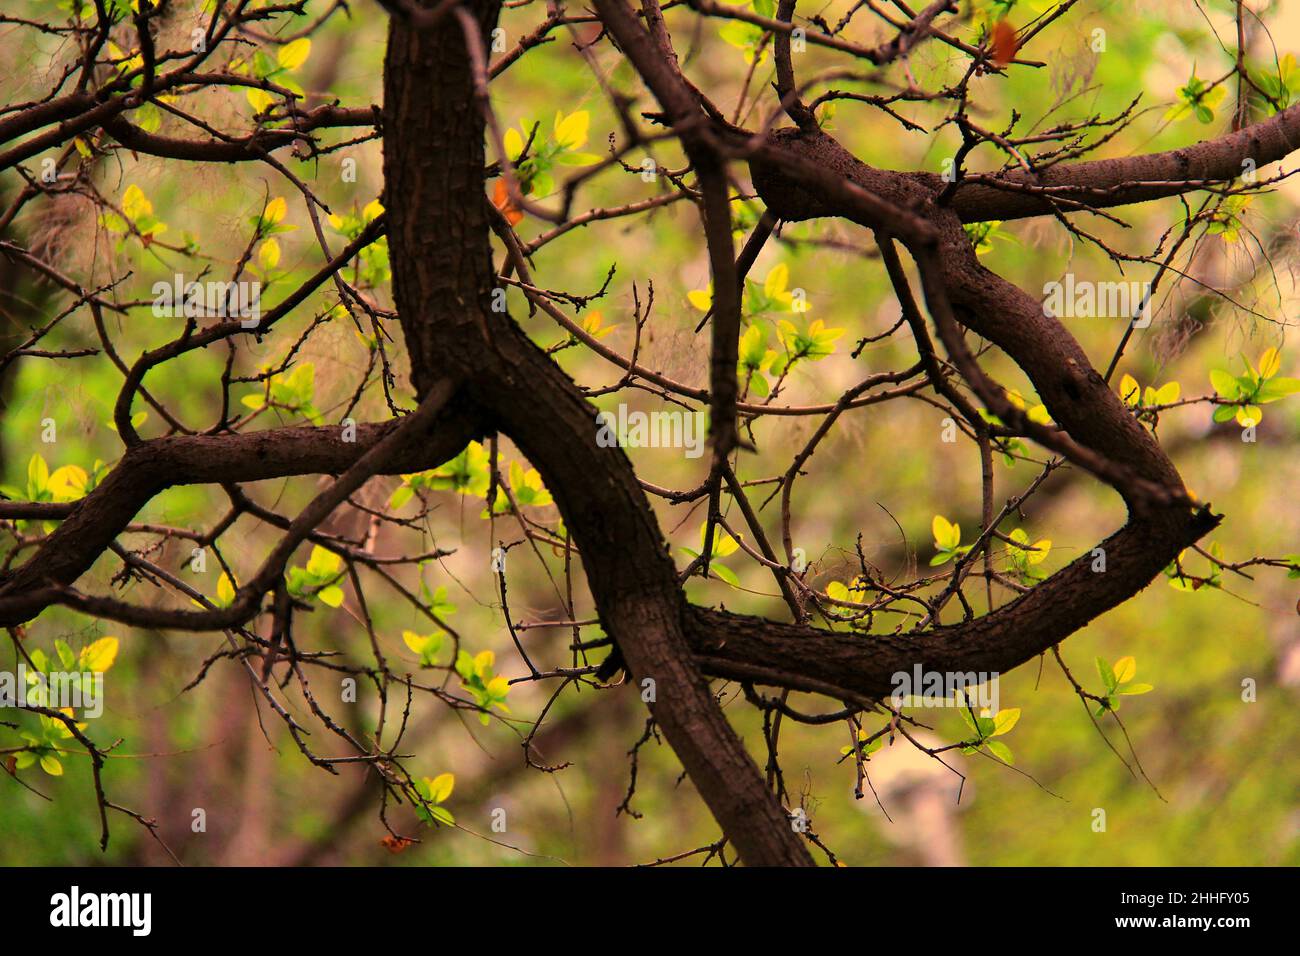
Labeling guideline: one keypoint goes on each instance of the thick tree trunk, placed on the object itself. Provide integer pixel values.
(442, 281)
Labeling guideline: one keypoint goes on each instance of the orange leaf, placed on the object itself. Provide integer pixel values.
(501, 199)
(1004, 44)
(395, 844)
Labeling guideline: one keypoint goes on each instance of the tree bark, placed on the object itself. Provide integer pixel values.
(443, 282)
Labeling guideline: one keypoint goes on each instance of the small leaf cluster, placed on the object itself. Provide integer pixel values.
(723, 546)
(1197, 98)
(1024, 559)
(527, 488)
(137, 218)
(1180, 580)
(1243, 394)
(562, 147)
(947, 541)
(749, 38)
(434, 791)
(476, 676)
(427, 646)
(1281, 87)
(988, 726)
(467, 474)
(66, 483)
(292, 392)
(262, 66)
(374, 268)
(1118, 680)
(863, 746)
(50, 740)
(982, 235)
(318, 578)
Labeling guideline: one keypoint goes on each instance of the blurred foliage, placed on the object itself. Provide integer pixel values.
(1223, 774)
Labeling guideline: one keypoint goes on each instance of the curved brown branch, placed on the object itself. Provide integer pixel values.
(740, 647)
(443, 283)
(245, 149)
(436, 110)
(1104, 183)
(146, 469)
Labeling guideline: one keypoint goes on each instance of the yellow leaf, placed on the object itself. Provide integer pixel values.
(822, 334)
(68, 483)
(225, 590)
(514, 143)
(268, 256)
(1005, 720)
(38, 473)
(331, 596)
(594, 324)
(571, 130)
(275, 211)
(1270, 363)
(1168, 393)
(440, 787)
(372, 210)
(323, 562)
(1125, 669)
(776, 281)
(1129, 390)
(1041, 549)
(99, 656)
(947, 535)
(293, 55)
(723, 543)
(939, 527)
(260, 100)
(414, 641)
(135, 204)
(702, 299)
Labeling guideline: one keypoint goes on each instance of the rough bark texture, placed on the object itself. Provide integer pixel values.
(477, 373)
(443, 282)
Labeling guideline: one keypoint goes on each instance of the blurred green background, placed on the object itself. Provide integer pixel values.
(1223, 772)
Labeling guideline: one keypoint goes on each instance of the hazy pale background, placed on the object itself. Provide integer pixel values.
(1225, 770)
